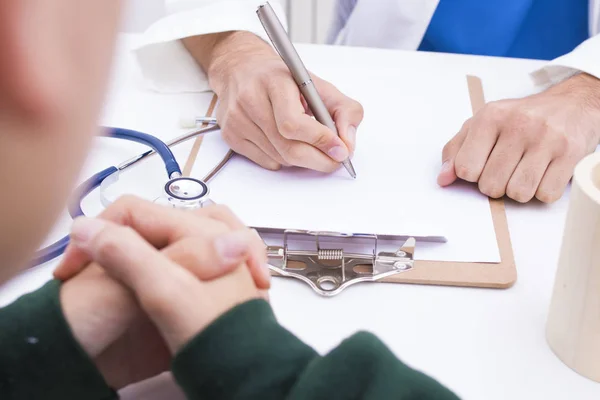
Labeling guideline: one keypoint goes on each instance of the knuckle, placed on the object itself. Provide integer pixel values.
(230, 136)
(514, 129)
(525, 123)
(246, 95)
(574, 146)
(234, 111)
(291, 153)
(466, 172)
(110, 240)
(322, 140)
(182, 253)
(495, 110)
(491, 189)
(465, 126)
(188, 253)
(547, 196)
(226, 134)
(519, 194)
(357, 109)
(289, 128)
(561, 142)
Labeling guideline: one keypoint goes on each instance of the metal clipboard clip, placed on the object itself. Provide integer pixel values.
(328, 271)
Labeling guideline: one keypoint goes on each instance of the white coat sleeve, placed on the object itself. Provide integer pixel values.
(584, 58)
(165, 63)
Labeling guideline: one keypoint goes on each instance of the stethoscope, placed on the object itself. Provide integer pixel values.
(179, 191)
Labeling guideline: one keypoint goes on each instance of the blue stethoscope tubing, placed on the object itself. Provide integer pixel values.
(158, 147)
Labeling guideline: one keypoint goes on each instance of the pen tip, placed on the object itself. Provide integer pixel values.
(350, 168)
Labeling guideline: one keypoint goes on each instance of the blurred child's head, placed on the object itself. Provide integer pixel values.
(55, 58)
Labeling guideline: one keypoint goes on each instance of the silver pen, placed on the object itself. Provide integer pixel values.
(287, 52)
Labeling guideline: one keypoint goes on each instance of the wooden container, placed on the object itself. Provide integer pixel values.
(573, 326)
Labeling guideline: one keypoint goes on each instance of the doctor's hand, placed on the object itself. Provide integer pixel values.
(526, 148)
(104, 315)
(261, 111)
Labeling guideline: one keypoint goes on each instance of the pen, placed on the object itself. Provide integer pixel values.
(290, 57)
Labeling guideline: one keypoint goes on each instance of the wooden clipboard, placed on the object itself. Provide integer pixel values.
(500, 275)
(485, 275)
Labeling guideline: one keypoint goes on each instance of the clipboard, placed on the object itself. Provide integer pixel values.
(500, 275)
(392, 267)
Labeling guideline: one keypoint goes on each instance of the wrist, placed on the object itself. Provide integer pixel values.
(97, 309)
(220, 54)
(585, 88)
(583, 92)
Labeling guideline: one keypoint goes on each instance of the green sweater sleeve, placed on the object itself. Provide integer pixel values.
(246, 354)
(40, 358)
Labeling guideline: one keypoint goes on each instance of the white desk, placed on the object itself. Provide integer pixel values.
(483, 344)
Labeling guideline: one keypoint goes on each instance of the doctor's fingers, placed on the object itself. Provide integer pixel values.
(172, 296)
(502, 164)
(293, 152)
(238, 126)
(346, 112)
(476, 148)
(447, 174)
(294, 124)
(245, 138)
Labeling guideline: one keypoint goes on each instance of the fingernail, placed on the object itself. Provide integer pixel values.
(231, 247)
(445, 167)
(84, 230)
(338, 153)
(352, 135)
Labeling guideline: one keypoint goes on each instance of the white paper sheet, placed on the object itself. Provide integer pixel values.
(408, 119)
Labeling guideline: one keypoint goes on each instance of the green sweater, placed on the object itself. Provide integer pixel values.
(245, 354)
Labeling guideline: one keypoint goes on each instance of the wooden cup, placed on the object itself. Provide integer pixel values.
(573, 326)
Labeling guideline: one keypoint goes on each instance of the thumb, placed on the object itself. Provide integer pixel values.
(447, 174)
(346, 112)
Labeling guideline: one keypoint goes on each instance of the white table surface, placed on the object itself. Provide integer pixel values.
(482, 343)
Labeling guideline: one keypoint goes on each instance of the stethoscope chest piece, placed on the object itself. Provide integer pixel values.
(186, 192)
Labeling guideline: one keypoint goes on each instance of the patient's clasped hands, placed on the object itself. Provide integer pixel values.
(142, 280)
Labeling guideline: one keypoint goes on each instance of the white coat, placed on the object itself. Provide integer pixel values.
(401, 25)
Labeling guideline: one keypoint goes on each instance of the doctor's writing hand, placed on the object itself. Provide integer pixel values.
(262, 113)
(103, 314)
(526, 148)
(177, 301)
